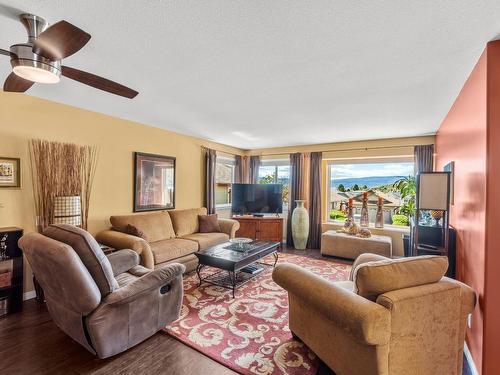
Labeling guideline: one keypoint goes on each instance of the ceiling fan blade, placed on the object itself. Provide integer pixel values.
(60, 40)
(14, 83)
(98, 82)
(7, 53)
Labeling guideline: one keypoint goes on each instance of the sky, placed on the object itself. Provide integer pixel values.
(283, 171)
(368, 170)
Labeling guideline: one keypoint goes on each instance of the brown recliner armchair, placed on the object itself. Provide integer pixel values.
(107, 304)
(392, 317)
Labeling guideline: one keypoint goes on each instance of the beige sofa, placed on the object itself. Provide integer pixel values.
(392, 317)
(170, 236)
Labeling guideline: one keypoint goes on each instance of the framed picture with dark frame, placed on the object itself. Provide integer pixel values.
(154, 182)
(10, 172)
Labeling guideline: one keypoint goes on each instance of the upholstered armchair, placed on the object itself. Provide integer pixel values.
(107, 304)
(391, 317)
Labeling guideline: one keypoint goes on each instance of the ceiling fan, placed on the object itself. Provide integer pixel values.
(40, 59)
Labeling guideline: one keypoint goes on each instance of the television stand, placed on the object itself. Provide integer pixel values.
(264, 228)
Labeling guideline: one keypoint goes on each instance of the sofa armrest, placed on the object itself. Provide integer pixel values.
(123, 260)
(362, 319)
(120, 240)
(365, 258)
(145, 284)
(229, 226)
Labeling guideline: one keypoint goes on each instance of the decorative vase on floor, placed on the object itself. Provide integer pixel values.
(300, 225)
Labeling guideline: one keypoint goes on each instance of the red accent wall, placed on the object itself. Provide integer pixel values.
(470, 136)
(491, 335)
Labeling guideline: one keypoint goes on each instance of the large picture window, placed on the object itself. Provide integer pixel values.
(390, 180)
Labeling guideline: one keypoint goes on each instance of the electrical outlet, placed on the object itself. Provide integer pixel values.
(469, 320)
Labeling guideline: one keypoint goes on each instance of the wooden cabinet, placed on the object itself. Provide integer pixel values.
(267, 228)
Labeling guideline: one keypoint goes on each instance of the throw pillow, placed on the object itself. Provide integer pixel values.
(208, 223)
(134, 231)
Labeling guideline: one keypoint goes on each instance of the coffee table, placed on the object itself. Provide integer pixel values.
(230, 258)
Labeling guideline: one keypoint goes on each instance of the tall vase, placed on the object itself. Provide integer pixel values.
(300, 225)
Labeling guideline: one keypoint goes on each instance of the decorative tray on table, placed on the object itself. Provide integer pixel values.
(241, 244)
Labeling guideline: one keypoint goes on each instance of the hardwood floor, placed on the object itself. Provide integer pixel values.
(30, 343)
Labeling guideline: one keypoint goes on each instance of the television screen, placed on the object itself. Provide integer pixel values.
(257, 198)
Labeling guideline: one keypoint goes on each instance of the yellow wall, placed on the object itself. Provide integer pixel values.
(23, 117)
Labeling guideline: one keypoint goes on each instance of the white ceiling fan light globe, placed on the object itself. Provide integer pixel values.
(35, 74)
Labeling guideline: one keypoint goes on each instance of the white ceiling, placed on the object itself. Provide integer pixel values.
(255, 74)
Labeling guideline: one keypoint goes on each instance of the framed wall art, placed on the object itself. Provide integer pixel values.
(154, 182)
(10, 172)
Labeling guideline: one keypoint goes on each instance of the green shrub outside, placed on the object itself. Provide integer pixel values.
(400, 220)
(337, 215)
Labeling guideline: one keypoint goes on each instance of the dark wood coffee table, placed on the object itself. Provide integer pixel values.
(229, 258)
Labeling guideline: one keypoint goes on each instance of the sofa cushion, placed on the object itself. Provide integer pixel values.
(155, 226)
(134, 231)
(89, 252)
(208, 223)
(166, 250)
(186, 221)
(206, 240)
(374, 278)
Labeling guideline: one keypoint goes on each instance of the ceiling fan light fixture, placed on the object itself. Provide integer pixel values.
(36, 74)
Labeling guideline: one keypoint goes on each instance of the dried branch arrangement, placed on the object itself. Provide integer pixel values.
(61, 169)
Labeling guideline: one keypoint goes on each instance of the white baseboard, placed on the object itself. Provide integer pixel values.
(470, 360)
(29, 295)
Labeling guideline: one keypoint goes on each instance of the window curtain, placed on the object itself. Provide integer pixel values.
(241, 169)
(254, 169)
(238, 169)
(315, 201)
(210, 163)
(299, 187)
(424, 158)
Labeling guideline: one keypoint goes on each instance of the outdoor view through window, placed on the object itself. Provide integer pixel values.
(394, 182)
(276, 174)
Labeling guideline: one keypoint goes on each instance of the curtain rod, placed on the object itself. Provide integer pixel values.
(330, 150)
(346, 149)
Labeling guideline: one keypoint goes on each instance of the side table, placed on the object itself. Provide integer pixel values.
(11, 271)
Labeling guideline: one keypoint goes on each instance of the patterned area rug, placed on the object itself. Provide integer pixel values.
(249, 334)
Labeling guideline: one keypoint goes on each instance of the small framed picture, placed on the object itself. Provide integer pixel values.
(10, 172)
(154, 182)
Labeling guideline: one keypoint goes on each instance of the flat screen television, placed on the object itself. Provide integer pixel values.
(257, 199)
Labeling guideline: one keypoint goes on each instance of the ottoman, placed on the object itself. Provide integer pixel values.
(346, 246)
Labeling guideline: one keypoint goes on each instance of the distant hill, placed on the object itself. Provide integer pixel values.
(371, 182)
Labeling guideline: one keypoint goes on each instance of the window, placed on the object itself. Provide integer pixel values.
(224, 178)
(276, 171)
(384, 178)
